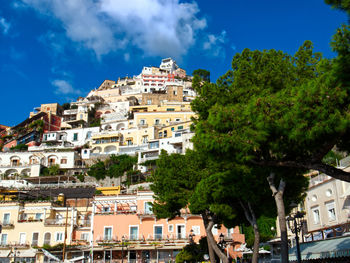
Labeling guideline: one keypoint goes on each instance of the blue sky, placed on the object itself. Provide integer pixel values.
(58, 50)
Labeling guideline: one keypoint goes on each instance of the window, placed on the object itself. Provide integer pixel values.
(170, 109)
(142, 122)
(6, 220)
(158, 232)
(22, 238)
(75, 136)
(47, 238)
(229, 232)
(59, 236)
(63, 161)
(177, 119)
(108, 233)
(170, 228)
(156, 121)
(84, 236)
(160, 134)
(35, 239)
(196, 230)
(134, 232)
(149, 102)
(165, 134)
(148, 208)
(88, 135)
(316, 215)
(4, 239)
(106, 209)
(145, 139)
(172, 128)
(331, 211)
(180, 127)
(38, 216)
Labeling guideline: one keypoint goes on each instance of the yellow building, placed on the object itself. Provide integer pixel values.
(28, 226)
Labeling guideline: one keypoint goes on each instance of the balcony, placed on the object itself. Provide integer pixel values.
(7, 224)
(56, 222)
(85, 223)
(28, 220)
(107, 240)
(80, 242)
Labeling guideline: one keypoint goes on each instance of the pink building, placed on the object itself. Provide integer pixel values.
(125, 227)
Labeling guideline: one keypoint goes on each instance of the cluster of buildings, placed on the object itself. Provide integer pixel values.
(70, 215)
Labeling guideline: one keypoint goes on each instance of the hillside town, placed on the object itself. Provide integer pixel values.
(54, 208)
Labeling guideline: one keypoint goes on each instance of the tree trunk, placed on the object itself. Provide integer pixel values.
(211, 241)
(250, 216)
(283, 227)
(255, 258)
(278, 196)
(210, 249)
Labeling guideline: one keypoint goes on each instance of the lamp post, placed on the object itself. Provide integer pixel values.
(123, 239)
(191, 236)
(222, 242)
(295, 223)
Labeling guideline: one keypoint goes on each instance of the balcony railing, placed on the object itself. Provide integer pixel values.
(85, 223)
(26, 220)
(80, 242)
(55, 222)
(7, 224)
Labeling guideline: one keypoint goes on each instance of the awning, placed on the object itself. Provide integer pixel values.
(76, 259)
(4, 253)
(27, 253)
(329, 248)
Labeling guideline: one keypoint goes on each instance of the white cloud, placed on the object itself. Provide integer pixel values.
(214, 44)
(127, 57)
(4, 25)
(157, 27)
(64, 87)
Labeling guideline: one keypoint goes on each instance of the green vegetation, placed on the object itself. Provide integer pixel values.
(114, 167)
(19, 147)
(50, 171)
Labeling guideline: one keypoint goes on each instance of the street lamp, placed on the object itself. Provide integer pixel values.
(295, 224)
(123, 239)
(222, 242)
(190, 236)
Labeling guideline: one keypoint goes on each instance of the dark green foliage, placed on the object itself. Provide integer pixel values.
(190, 254)
(266, 233)
(98, 170)
(115, 166)
(174, 181)
(50, 171)
(81, 177)
(203, 74)
(73, 107)
(343, 5)
(66, 106)
(273, 109)
(19, 147)
(38, 125)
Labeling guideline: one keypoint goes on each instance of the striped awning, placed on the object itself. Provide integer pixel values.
(329, 248)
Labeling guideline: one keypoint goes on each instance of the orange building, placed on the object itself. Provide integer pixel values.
(124, 227)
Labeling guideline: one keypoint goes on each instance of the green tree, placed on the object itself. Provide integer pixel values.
(114, 167)
(203, 74)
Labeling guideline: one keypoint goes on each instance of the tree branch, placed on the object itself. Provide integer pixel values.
(271, 179)
(319, 166)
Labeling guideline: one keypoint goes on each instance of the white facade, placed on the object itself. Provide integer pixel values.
(29, 163)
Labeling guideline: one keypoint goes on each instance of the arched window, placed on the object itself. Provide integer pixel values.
(47, 238)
